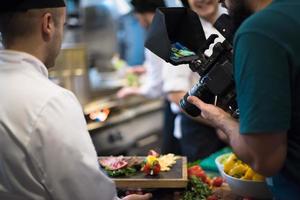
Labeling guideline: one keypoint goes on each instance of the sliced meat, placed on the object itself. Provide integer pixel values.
(113, 163)
(134, 161)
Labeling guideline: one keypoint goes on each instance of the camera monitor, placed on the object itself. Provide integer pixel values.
(176, 35)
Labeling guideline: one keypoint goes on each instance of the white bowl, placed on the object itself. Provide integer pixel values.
(244, 188)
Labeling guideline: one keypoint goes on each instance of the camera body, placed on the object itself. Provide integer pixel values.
(216, 85)
(167, 40)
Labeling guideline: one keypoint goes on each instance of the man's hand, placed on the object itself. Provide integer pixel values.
(138, 70)
(138, 197)
(127, 91)
(213, 114)
(256, 149)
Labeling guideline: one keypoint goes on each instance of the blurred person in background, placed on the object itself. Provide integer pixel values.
(46, 151)
(197, 138)
(153, 66)
(131, 36)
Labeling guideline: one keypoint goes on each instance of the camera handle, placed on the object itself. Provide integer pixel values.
(198, 64)
(210, 40)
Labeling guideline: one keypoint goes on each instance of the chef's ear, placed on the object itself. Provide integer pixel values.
(48, 25)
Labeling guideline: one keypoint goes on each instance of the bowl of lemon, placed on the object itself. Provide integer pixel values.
(241, 178)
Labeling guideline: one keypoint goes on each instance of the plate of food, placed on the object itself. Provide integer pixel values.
(152, 171)
(241, 178)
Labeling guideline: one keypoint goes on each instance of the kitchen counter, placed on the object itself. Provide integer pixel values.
(127, 114)
(132, 124)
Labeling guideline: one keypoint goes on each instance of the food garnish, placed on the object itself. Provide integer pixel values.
(120, 166)
(151, 166)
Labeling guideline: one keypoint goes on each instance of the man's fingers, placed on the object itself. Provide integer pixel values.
(120, 94)
(196, 101)
(147, 196)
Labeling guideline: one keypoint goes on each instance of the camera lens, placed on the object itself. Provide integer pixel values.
(199, 90)
(188, 107)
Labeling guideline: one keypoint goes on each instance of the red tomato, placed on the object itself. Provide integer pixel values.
(195, 168)
(208, 181)
(202, 175)
(147, 168)
(198, 172)
(151, 169)
(156, 169)
(217, 181)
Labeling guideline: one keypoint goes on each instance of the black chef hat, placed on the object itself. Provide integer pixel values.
(24, 5)
(142, 6)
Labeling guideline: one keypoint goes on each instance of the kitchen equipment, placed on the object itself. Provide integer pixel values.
(71, 61)
(100, 34)
(130, 127)
(116, 125)
(71, 71)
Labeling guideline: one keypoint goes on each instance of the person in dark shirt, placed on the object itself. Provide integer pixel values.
(266, 72)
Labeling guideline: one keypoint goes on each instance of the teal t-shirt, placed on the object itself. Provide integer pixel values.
(267, 64)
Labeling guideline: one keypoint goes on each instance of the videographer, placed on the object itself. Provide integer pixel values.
(197, 138)
(266, 70)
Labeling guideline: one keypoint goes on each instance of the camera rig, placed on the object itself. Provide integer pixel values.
(176, 35)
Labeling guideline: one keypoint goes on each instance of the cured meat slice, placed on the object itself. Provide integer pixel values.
(113, 163)
(134, 161)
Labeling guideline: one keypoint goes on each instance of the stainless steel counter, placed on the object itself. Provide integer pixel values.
(132, 127)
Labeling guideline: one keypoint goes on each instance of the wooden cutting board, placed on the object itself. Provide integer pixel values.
(175, 178)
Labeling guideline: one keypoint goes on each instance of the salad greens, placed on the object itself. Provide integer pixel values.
(128, 171)
(196, 190)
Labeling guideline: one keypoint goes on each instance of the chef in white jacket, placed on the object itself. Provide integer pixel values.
(45, 149)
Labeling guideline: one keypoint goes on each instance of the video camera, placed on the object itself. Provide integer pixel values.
(176, 35)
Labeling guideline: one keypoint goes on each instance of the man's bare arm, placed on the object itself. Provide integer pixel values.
(265, 152)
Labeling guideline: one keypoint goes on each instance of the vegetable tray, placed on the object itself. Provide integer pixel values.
(175, 178)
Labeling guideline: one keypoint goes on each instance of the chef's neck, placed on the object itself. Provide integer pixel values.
(31, 46)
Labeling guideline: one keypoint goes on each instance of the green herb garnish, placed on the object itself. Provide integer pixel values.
(121, 172)
(196, 190)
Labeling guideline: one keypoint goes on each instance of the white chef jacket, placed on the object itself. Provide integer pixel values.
(181, 78)
(45, 149)
(152, 84)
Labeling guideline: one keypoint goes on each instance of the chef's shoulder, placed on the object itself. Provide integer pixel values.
(28, 97)
(47, 91)
(38, 92)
